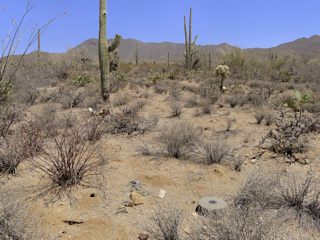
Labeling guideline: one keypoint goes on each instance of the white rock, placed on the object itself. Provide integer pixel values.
(162, 193)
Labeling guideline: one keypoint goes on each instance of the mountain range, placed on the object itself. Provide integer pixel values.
(159, 51)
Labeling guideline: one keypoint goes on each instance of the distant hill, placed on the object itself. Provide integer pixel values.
(147, 51)
(159, 51)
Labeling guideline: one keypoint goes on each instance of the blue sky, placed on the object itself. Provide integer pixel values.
(246, 23)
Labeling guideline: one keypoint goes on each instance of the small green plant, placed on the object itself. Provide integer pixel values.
(82, 80)
(223, 72)
(298, 103)
(6, 88)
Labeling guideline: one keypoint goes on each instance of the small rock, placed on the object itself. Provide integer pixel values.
(195, 214)
(253, 161)
(130, 204)
(162, 193)
(136, 198)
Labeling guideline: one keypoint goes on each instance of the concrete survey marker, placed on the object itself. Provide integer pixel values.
(210, 205)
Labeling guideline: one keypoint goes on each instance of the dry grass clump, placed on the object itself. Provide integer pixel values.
(121, 99)
(166, 223)
(292, 196)
(179, 139)
(15, 220)
(68, 160)
(176, 108)
(236, 224)
(259, 115)
(213, 151)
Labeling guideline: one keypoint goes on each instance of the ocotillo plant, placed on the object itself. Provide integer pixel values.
(190, 46)
(104, 50)
(39, 47)
(168, 59)
(137, 54)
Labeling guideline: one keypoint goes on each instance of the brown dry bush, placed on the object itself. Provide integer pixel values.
(212, 151)
(16, 223)
(11, 155)
(236, 224)
(128, 120)
(179, 139)
(68, 160)
(176, 108)
(292, 196)
(8, 116)
(259, 115)
(166, 223)
(121, 99)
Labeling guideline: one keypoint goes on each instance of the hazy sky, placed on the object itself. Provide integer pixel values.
(246, 23)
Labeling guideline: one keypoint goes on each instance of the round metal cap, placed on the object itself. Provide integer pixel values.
(212, 203)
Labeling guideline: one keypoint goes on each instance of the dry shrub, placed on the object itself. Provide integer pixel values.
(179, 139)
(192, 101)
(16, 223)
(236, 99)
(259, 115)
(206, 106)
(11, 155)
(8, 116)
(166, 223)
(236, 224)
(292, 196)
(213, 151)
(129, 121)
(121, 99)
(230, 122)
(176, 108)
(68, 160)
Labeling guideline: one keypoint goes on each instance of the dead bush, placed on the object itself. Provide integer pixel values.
(256, 192)
(292, 196)
(260, 115)
(296, 196)
(121, 99)
(16, 223)
(213, 151)
(176, 108)
(236, 224)
(206, 106)
(179, 139)
(8, 116)
(67, 160)
(166, 223)
(11, 155)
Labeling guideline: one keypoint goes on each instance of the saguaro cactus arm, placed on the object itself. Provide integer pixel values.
(115, 42)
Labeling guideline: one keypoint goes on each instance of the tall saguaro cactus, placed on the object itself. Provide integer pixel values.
(104, 50)
(190, 46)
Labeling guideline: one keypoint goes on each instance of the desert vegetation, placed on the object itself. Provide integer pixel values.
(134, 158)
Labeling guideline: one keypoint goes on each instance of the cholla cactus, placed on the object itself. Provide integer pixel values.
(223, 71)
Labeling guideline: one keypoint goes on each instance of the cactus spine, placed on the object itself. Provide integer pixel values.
(190, 50)
(104, 50)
